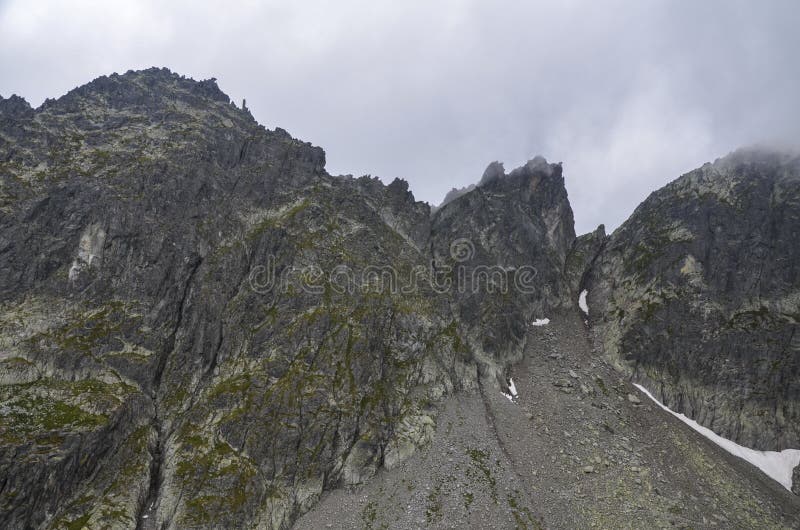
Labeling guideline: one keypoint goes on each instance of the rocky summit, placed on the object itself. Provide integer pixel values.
(202, 328)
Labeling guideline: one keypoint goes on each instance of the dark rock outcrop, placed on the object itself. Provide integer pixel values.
(504, 246)
(163, 301)
(582, 256)
(696, 296)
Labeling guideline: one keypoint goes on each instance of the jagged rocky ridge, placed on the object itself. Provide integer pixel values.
(171, 358)
(138, 211)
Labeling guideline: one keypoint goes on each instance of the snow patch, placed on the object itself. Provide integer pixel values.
(540, 322)
(582, 302)
(778, 465)
(512, 388)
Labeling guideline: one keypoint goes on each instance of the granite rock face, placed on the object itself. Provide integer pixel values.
(582, 256)
(201, 328)
(796, 480)
(172, 353)
(505, 244)
(697, 296)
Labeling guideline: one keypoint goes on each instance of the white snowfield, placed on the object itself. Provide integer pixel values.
(778, 465)
(540, 322)
(582, 302)
(511, 388)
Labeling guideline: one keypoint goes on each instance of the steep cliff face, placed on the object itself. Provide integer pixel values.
(201, 327)
(178, 345)
(696, 296)
(505, 245)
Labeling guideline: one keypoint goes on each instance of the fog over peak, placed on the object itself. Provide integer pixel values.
(629, 95)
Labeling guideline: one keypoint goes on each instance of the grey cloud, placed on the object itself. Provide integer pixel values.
(627, 94)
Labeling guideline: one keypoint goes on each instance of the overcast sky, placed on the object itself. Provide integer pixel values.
(627, 94)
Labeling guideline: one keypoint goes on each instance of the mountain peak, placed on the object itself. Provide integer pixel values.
(148, 89)
(14, 106)
(758, 156)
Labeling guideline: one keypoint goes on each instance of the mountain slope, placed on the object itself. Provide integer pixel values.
(171, 286)
(572, 451)
(696, 296)
(144, 215)
(201, 328)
